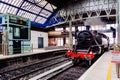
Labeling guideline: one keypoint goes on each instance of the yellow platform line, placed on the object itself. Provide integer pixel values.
(109, 71)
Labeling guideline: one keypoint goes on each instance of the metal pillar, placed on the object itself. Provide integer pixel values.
(64, 38)
(118, 17)
(70, 35)
(118, 34)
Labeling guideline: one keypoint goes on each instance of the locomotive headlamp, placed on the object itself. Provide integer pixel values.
(91, 52)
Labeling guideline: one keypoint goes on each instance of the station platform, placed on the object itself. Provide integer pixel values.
(102, 69)
(35, 51)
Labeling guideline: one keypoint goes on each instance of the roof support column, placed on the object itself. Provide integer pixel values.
(70, 35)
(64, 38)
(118, 21)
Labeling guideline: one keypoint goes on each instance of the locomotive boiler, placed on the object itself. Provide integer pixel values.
(88, 45)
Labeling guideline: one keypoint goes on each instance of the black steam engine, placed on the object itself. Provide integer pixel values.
(88, 44)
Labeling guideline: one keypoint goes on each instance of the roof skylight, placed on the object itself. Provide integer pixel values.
(35, 10)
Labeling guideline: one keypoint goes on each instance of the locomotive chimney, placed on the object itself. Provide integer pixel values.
(76, 31)
(87, 27)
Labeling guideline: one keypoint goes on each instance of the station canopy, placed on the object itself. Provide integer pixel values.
(38, 11)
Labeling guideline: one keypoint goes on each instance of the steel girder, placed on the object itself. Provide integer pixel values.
(90, 6)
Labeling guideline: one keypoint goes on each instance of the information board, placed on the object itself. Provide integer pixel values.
(116, 57)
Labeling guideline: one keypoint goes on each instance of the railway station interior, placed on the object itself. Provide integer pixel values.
(59, 39)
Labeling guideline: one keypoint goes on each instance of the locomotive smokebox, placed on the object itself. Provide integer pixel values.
(88, 27)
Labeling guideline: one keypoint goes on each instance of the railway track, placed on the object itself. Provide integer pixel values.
(46, 69)
(48, 74)
(26, 71)
(73, 73)
(64, 72)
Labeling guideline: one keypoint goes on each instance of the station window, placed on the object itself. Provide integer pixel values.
(83, 28)
(79, 28)
(73, 40)
(68, 29)
(108, 26)
(73, 28)
(59, 41)
(58, 29)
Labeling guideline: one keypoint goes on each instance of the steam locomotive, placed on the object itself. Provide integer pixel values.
(88, 44)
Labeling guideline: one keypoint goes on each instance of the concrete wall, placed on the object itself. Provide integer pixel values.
(34, 38)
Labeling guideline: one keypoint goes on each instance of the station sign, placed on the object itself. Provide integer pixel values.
(116, 57)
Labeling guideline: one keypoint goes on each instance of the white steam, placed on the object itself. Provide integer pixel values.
(94, 22)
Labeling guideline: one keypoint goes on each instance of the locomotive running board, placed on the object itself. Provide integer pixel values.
(48, 74)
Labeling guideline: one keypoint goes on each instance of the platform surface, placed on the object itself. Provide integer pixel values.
(35, 51)
(102, 69)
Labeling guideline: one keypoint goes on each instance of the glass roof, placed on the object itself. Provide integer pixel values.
(36, 10)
